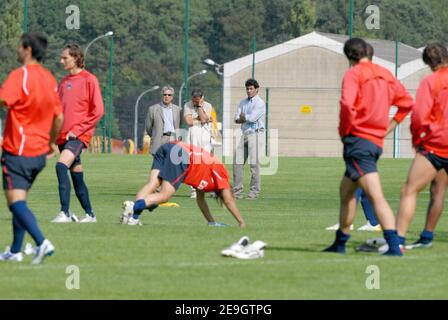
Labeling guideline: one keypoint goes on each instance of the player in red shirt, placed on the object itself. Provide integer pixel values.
(179, 162)
(83, 107)
(368, 92)
(33, 122)
(429, 128)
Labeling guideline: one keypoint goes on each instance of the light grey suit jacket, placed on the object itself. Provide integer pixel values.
(155, 124)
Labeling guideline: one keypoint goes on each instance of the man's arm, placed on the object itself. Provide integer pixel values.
(241, 119)
(202, 114)
(202, 204)
(189, 120)
(347, 103)
(188, 116)
(2, 103)
(392, 125)
(149, 121)
(403, 100)
(54, 133)
(56, 127)
(419, 121)
(257, 113)
(239, 115)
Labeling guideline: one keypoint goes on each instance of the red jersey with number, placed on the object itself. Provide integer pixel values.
(368, 92)
(82, 105)
(30, 94)
(205, 172)
(429, 120)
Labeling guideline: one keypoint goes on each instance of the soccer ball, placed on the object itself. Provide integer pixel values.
(128, 210)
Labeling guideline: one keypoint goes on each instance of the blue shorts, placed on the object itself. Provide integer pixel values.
(360, 156)
(75, 146)
(172, 161)
(20, 172)
(438, 162)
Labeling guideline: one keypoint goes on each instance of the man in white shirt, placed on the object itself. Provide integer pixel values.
(251, 115)
(198, 116)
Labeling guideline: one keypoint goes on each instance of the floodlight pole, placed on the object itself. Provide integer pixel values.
(103, 120)
(136, 115)
(254, 49)
(107, 34)
(350, 24)
(185, 52)
(25, 16)
(111, 52)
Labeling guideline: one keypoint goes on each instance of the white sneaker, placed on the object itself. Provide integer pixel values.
(63, 218)
(419, 245)
(236, 247)
(134, 222)
(336, 227)
(252, 251)
(9, 256)
(369, 227)
(29, 249)
(128, 210)
(88, 219)
(259, 245)
(44, 250)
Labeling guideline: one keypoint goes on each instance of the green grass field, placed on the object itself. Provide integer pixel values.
(175, 255)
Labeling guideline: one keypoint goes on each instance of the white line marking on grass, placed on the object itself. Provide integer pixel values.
(186, 264)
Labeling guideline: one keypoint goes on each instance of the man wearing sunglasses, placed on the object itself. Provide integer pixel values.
(163, 120)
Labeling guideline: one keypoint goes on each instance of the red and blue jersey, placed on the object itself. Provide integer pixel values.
(30, 94)
(205, 172)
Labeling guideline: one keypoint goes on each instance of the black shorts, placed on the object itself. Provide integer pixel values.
(75, 146)
(172, 161)
(20, 172)
(360, 156)
(438, 162)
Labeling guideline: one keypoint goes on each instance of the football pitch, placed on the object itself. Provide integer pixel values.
(175, 255)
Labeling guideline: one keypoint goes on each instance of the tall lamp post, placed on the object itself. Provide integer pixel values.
(136, 114)
(184, 83)
(220, 73)
(111, 53)
(218, 67)
(187, 22)
(107, 34)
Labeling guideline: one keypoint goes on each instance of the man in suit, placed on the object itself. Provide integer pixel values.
(163, 120)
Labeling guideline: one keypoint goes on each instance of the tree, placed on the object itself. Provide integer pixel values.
(10, 31)
(302, 18)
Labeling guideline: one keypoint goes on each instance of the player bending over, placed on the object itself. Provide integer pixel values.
(179, 162)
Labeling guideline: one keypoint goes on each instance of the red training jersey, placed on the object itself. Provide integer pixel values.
(205, 172)
(429, 120)
(30, 94)
(82, 105)
(368, 92)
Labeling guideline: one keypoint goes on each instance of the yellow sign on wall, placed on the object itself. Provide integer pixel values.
(306, 109)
